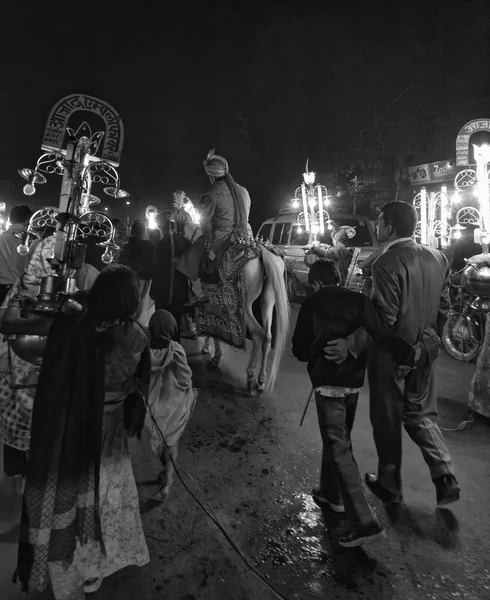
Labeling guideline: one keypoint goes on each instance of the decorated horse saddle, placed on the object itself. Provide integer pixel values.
(240, 252)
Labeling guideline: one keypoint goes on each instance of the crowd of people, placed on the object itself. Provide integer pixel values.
(117, 366)
(112, 364)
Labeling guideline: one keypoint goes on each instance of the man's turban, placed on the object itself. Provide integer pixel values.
(215, 165)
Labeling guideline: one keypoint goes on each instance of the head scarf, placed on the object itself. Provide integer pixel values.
(163, 329)
(217, 166)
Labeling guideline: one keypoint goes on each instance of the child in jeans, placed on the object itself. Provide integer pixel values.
(335, 312)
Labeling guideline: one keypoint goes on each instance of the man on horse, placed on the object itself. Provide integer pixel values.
(224, 213)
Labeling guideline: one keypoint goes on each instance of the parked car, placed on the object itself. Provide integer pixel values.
(285, 232)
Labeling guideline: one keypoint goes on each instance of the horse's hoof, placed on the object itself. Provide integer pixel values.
(261, 388)
(213, 364)
(205, 350)
(252, 387)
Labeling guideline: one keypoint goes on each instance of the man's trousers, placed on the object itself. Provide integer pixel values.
(413, 402)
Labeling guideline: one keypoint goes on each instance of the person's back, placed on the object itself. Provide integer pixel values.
(13, 264)
(334, 312)
(223, 218)
(138, 252)
(168, 289)
(410, 285)
(85, 277)
(171, 397)
(415, 298)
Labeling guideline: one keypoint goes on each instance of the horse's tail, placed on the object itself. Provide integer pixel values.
(274, 271)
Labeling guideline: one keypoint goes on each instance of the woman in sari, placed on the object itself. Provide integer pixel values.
(80, 518)
(172, 397)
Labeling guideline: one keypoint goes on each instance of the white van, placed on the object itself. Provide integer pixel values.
(285, 232)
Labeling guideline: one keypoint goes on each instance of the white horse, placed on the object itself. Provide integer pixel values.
(264, 278)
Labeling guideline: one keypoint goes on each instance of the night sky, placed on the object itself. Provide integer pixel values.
(318, 81)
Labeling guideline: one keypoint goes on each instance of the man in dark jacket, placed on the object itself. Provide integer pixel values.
(334, 312)
(170, 288)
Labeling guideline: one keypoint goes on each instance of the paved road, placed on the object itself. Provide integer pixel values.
(252, 467)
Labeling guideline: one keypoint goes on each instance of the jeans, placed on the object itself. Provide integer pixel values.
(340, 481)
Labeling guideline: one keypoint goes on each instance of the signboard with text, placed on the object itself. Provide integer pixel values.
(436, 172)
(444, 170)
(463, 140)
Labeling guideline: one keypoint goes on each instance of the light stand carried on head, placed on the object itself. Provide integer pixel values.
(77, 162)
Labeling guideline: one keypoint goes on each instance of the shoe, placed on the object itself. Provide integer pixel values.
(323, 502)
(382, 493)
(361, 536)
(447, 490)
(196, 302)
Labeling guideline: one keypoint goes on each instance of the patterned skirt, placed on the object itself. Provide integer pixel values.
(122, 530)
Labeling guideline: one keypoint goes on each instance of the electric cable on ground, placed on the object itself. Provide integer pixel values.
(213, 518)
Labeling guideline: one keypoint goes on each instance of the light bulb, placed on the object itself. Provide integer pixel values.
(300, 230)
(23, 249)
(457, 235)
(312, 203)
(485, 240)
(107, 256)
(29, 189)
(295, 204)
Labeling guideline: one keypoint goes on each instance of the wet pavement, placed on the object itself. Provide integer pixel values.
(251, 467)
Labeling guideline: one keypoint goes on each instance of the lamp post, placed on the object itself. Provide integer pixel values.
(476, 276)
(433, 209)
(482, 158)
(311, 197)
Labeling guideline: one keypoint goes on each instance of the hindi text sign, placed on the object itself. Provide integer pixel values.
(463, 140)
(54, 133)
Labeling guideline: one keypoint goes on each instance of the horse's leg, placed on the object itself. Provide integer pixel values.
(206, 349)
(214, 362)
(267, 301)
(253, 282)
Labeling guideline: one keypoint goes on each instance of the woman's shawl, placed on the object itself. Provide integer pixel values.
(61, 494)
(172, 397)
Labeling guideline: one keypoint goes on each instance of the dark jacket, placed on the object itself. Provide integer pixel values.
(139, 256)
(167, 292)
(410, 285)
(336, 312)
